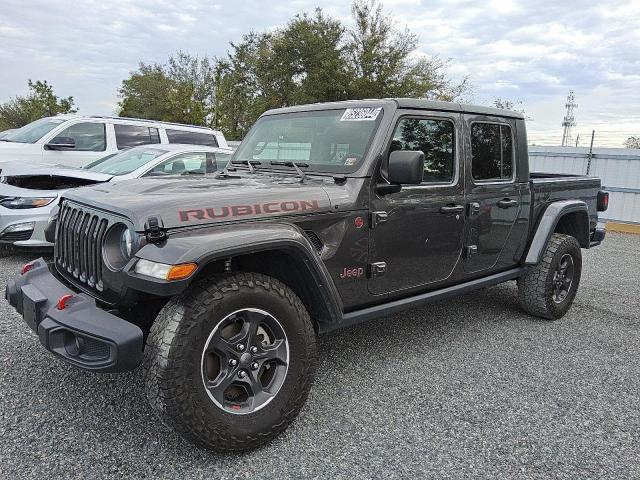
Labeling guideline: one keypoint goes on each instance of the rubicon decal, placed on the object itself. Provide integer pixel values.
(234, 211)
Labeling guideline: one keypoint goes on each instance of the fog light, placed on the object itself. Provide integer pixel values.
(20, 227)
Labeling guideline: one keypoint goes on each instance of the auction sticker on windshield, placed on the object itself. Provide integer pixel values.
(360, 114)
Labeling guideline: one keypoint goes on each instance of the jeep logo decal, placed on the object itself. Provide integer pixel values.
(287, 206)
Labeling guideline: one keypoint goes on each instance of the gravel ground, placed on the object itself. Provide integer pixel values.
(467, 388)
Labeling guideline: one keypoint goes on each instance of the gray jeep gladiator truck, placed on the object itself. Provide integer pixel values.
(327, 215)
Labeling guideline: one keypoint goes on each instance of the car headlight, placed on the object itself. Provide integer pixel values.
(164, 271)
(126, 243)
(118, 246)
(26, 202)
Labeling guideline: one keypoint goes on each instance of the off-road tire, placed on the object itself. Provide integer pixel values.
(172, 364)
(535, 288)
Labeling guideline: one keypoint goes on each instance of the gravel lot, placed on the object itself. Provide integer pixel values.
(468, 388)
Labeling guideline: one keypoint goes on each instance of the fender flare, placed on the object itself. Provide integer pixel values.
(548, 222)
(206, 245)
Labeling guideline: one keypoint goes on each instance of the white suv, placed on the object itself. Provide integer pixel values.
(75, 141)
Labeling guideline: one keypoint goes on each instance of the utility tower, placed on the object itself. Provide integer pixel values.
(569, 120)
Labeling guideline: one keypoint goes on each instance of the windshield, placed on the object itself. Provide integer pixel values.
(34, 131)
(326, 140)
(126, 161)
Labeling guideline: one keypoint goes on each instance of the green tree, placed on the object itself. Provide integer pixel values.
(239, 99)
(183, 90)
(381, 58)
(632, 142)
(509, 105)
(315, 58)
(40, 102)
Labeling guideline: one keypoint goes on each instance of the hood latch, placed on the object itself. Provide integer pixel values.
(153, 230)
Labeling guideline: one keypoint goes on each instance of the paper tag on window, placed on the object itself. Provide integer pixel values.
(360, 114)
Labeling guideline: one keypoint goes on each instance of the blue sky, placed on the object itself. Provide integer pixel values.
(533, 51)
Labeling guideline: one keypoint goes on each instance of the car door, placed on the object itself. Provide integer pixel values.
(89, 140)
(494, 197)
(417, 233)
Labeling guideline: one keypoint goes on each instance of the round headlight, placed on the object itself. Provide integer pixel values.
(126, 243)
(118, 246)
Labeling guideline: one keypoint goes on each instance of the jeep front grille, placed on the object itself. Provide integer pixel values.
(78, 248)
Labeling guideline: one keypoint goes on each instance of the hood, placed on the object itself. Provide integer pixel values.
(187, 201)
(15, 146)
(28, 181)
(53, 170)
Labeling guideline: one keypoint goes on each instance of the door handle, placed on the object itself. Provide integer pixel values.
(507, 203)
(452, 209)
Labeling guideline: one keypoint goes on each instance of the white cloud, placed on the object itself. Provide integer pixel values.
(534, 51)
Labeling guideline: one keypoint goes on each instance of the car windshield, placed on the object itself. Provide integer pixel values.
(325, 140)
(34, 131)
(126, 161)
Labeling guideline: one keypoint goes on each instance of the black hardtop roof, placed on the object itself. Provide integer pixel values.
(409, 103)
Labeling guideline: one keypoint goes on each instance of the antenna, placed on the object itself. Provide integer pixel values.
(569, 120)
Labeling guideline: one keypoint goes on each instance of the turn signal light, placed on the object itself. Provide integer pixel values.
(178, 272)
(62, 301)
(26, 267)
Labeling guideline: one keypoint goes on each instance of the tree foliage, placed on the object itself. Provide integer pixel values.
(632, 142)
(181, 91)
(40, 102)
(313, 58)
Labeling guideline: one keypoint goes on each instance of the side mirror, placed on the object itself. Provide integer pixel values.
(406, 167)
(61, 143)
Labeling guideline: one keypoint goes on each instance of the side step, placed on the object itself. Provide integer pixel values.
(376, 311)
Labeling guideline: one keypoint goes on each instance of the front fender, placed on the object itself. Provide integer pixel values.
(206, 245)
(550, 218)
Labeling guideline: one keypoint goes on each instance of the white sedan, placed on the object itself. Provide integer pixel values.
(29, 194)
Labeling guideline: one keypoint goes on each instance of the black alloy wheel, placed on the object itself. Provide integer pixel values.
(245, 361)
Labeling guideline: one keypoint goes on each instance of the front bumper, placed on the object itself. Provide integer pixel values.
(34, 238)
(82, 333)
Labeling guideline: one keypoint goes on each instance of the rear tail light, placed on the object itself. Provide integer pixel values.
(603, 201)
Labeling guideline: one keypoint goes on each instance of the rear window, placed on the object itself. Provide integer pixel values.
(192, 138)
(491, 151)
(133, 135)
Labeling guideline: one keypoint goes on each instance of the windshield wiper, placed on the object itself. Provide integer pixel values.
(291, 163)
(248, 163)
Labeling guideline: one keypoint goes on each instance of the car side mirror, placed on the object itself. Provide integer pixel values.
(406, 167)
(61, 143)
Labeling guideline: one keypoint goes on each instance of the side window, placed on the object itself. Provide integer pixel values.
(192, 138)
(435, 139)
(195, 162)
(134, 135)
(491, 151)
(87, 137)
(154, 134)
(220, 160)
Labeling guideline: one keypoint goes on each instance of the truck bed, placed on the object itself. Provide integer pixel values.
(549, 187)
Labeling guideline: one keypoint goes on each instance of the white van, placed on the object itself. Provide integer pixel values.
(74, 141)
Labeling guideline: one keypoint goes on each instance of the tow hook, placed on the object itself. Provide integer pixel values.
(153, 231)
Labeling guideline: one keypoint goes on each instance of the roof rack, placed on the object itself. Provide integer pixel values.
(144, 120)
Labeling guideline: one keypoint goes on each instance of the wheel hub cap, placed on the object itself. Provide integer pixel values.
(563, 278)
(244, 380)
